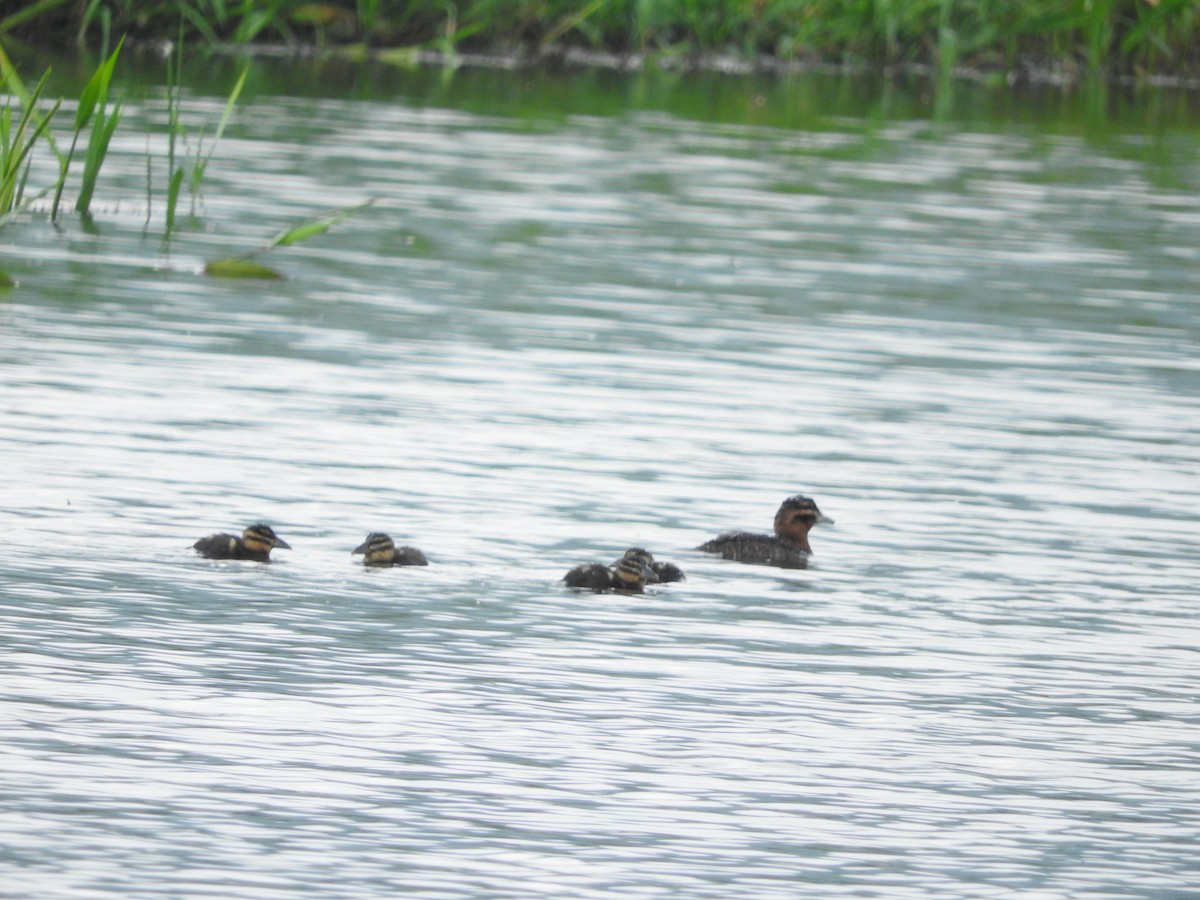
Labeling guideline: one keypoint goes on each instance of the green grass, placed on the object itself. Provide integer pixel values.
(1092, 35)
(190, 170)
(93, 109)
(19, 134)
(25, 126)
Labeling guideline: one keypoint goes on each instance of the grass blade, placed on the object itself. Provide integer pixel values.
(92, 102)
(96, 92)
(203, 159)
(173, 197)
(243, 267)
(16, 144)
(102, 132)
(313, 227)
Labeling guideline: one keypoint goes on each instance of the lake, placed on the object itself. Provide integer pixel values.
(588, 311)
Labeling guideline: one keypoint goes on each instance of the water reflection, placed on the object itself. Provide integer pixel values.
(558, 335)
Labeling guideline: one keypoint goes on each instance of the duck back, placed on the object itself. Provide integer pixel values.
(408, 556)
(758, 549)
(591, 577)
(227, 546)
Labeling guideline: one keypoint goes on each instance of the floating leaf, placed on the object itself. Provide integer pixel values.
(240, 268)
(6, 283)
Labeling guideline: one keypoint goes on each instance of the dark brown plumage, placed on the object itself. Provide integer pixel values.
(380, 551)
(628, 575)
(788, 548)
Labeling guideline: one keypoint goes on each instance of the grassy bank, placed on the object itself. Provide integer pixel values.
(1109, 36)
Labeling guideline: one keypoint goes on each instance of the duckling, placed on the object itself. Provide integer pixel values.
(628, 575)
(256, 543)
(788, 548)
(380, 551)
(665, 571)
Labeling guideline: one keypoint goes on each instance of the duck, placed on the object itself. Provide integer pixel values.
(380, 551)
(256, 543)
(788, 548)
(628, 575)
(666, 571)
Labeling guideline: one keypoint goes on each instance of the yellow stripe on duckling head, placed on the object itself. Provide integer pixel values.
(375, 543)
(631, 570)
(263, 537)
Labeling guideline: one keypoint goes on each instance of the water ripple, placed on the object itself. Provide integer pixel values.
(542, 346)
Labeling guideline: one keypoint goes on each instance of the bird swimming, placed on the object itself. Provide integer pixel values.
(628, 575)
(788, 548)
(256, 543)
(665, 571)
(380, 551)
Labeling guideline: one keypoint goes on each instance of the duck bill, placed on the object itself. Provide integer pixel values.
(280, 544)
(361, 548)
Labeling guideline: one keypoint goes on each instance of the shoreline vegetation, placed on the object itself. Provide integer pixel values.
(1001, 41)
(25, 129)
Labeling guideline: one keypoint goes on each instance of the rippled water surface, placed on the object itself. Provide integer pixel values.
(576, 321)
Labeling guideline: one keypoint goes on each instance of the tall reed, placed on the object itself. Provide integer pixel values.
(174, 128)
(17, 141)
(93, 103)
(195, 171)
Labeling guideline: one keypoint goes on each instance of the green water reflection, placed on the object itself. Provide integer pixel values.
(818, 100)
